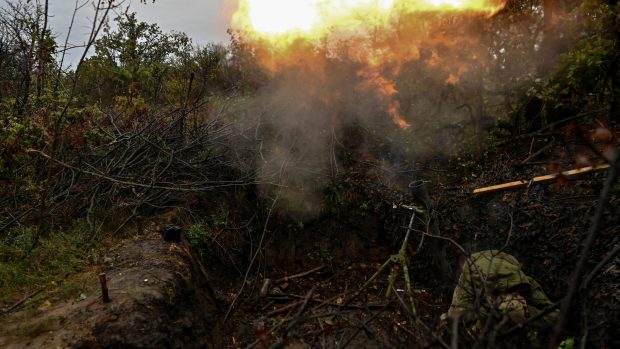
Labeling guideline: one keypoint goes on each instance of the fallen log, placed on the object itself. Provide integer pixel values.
(541, 179)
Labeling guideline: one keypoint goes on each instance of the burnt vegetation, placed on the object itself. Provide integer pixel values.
(295, 186)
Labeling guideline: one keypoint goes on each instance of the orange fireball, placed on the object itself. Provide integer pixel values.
(278, 20)
(289, 33)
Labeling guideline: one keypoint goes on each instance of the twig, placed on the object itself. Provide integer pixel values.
(17, 218)
(533, 319)
(583, 257)
(600, 266)
(511, 215)
(321, 304)
(300, 311)
(258, 250)
(140, 185)
(419, 322)
(283, 309)
(66, 44)
(288, 278)
(542, 150)
(196, 262)
(23, 300)
(554, 124)
(359, 329)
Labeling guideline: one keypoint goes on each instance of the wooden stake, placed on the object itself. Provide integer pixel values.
(104, 288)
(540, 179)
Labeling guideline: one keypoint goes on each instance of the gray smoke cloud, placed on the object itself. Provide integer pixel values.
(427, 86)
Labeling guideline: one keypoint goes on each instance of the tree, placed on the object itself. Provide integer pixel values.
(26, 50)
(132, 61)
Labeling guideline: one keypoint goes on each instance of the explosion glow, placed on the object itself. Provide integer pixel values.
(284, 33)
(314, 18)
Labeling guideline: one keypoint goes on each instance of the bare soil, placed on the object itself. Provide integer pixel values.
(156, 302)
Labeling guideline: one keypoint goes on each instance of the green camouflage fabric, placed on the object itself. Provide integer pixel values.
(487, 274)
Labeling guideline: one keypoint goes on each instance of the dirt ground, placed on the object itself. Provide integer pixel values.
(155, 303)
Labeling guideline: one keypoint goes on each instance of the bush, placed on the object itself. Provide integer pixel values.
(197, 235)
(27, 263)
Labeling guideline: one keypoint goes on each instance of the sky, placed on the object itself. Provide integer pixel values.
(204, 21)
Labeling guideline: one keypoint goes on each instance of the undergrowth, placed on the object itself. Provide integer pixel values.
(28, 262)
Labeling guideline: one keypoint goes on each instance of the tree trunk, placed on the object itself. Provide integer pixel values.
(27, 77)
(548, 46)
(614, 69)
(42, 51)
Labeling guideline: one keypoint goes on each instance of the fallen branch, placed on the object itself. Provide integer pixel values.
(553, 125)
(600, 266)
(23, 300)
(321, 303)
(300, 311)
(542, 150)
(565, 120)
(258, 250)
(196, 263)
(541, 179)
(288, 278)
(284, 308)
(209, 185)
(413, 317)
(595, 227)
(346, 342)
(533, 319)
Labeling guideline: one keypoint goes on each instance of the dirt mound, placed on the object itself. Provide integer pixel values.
(158, 300)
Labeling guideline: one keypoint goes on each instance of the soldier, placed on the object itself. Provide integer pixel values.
(493, 281)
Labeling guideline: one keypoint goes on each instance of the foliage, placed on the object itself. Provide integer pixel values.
(27, 51)
(584, 72)
(586, 76)
(132, 60)
(198, 235)
(27, 263)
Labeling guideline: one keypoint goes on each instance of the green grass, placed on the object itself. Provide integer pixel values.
(32, 330)
(26, 266)
(198, 235)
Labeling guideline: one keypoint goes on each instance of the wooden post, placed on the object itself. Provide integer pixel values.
(104, 288)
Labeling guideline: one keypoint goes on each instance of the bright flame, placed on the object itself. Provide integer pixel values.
(289, 15)
(377, 84)
(314, 18)
(283, 31)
